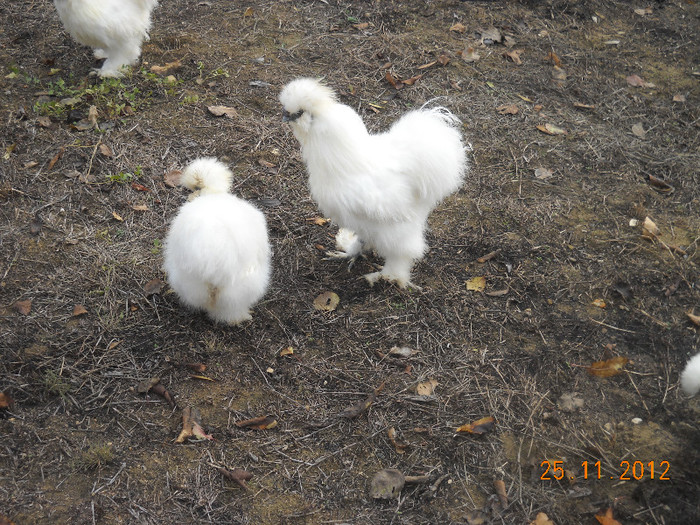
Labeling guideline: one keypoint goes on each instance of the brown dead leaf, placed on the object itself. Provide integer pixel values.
(638, 130)
(153, 286)
(30, 164)
(237, 475)
(476, 284)
(606, 518)
(153, 384)
(554, 58)
(514, 56)
(387, 484)
(402, 352)
(487, 257)
(443, 59)
(6, 401)
(643, 11)
(248, 12)
(196, 367)
(191, 426)
(318, 221)
(491, 36)
(458, 28)
(558, 74)
(480, 426)
(105, 150)
(22, 307)
(168, 67)
(117, 216)
(79, 309)
(172, 178)
(649, 229)
(679, 97)
(426, 388)
(92, 116)
(287, 351)
(56, 158)
(139, 207)
(361, 26)
(500, 487)
(599, 303)
(551, 129)
(358, 408)
(497, 293)
(258, 423)
(469, 55)
(223, 111)
(608, 368)
(637, 81)
(543, 173)
(660, 185)
(412, 80)
(542, 519)
(139, 187)
(508, 109)
(399, 445)
(391, 79)
(327, 301)
(695, 319)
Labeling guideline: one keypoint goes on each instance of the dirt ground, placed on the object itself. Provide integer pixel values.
(84, 208)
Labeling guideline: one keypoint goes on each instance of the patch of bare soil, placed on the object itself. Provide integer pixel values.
(570, 154)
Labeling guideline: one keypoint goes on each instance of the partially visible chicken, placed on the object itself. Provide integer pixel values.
(217, 254)
(690, 378)
(115, 29)
(381, 187)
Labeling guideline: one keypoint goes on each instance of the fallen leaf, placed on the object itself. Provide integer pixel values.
(55, 158)
(248, 12)
(139, 207)
(361, 26)
(139, 187)
(92, 115)
(500, 487)
(258, 423)
(443, 60)
(30, 164)
(191, 426)
(426, 388)
(391, 79)
(161, 70)
(490, 36)
(551, 129)
(6, 401)
(543, 173)
(660, 185)
(401, 352)
(327, 301)
(644, 11)
(172, 178)
(542, 519)
(487, 257)
(558, 74)
(318, 221)
(22, 307)
(554, 58)
(117, 216)
(153, 286)
(412, 80)
(608, 368)
(480, 426)
(497, 293)
(287, 351)
(106, 150)
(79, 309)
(570, 402)
(695, 319)
(637, 81)
(458, 28)
(607, 518)
(154, 385)
(469, 55)
(508, 109)
(399, 445)
(476, 284)
(238, 475)
(649, 229)
(387, 484)
(638, 130)
(223, 111)
(358, 408)
(599, 303)
(514, 55)
(679, 97)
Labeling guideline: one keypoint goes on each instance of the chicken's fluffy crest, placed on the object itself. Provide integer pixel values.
(206, 175)
(690, 378)
(306, 94)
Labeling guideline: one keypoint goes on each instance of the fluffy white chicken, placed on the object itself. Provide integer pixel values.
(379, 188)
(690, 378)
(115, 29)
(217, 253)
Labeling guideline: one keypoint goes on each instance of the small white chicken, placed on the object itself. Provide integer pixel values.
(115, 29)
(690, 378)
(217, 254)
(378, 188)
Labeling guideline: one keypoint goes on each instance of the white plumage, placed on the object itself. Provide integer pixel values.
(690, 378)
(381, 187)
(115, 29)
(217, 254)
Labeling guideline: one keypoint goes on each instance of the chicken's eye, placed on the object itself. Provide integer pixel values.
(291, 117)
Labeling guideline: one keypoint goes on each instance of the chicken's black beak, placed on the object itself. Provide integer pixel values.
(291, 117)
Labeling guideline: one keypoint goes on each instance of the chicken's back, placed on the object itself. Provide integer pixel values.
(431, 152)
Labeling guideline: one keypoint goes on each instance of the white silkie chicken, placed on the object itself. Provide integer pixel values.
(217, 253)
(690, 378)
(378, 188)
(115, 29)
